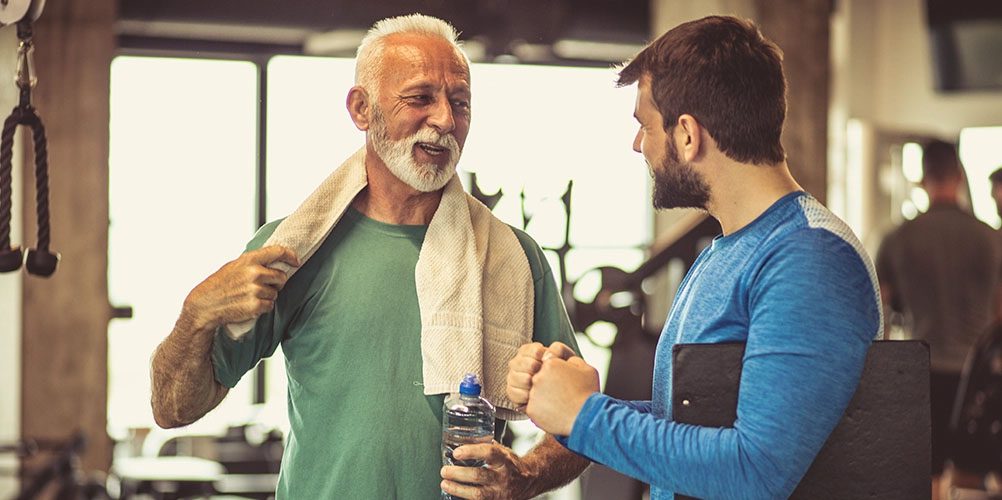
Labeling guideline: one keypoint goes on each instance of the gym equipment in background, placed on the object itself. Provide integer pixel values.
(38, 261)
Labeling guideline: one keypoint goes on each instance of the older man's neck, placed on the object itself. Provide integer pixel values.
(389, 200)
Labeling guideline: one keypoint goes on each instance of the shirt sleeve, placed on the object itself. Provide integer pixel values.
(550, 321)
(637, 406)
(813, 313)
(231, 359)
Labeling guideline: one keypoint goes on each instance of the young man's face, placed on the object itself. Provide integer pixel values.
(677, 184)
(651, 139)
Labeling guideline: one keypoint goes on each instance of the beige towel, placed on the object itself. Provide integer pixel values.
(474, 285)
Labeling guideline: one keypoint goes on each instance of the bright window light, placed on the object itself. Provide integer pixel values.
(309, 131)
(908, 210)
(181, 168)
(854, 138)
(981, 155)
(911, 162)
(533, 127)
(920, 198)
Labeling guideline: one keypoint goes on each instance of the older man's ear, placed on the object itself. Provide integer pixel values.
(359, 107)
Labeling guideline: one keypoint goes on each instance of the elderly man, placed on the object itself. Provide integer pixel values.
(379, 317)
(787, 278)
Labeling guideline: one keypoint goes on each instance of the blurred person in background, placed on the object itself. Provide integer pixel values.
(942, 272)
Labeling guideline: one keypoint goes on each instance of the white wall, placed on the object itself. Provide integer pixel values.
(893, 80)
(882, 84)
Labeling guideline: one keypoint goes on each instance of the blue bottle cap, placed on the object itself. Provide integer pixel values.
(470, 386)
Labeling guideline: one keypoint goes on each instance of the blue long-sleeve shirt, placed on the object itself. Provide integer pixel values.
(796, 286)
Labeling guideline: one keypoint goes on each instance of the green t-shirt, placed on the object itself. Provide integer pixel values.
(350, 329)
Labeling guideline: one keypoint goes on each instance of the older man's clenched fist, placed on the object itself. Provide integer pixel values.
(527, 363)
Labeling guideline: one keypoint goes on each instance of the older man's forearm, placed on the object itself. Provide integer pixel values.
(553, 465)
(183, 385)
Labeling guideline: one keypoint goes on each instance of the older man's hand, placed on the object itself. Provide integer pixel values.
(506, 476)
(559, 390)
(242, 289)
(526, 363)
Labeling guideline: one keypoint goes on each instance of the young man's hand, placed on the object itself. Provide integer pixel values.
(527, 363)
(558, 391)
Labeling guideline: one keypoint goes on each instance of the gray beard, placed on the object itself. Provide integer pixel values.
(399, 156)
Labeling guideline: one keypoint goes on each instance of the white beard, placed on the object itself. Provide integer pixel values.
(399, 156)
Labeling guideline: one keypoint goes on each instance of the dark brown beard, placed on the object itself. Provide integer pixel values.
(677, 184)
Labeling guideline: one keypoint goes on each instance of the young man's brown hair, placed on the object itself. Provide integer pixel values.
(723, 72)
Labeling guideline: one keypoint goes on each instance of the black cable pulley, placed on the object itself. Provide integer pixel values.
(38, 261)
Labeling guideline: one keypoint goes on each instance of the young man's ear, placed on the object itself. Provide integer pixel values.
(691, 133)
(359, 107)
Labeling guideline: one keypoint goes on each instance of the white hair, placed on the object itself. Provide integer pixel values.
(368, 60)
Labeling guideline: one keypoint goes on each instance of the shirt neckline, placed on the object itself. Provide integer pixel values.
(721, 239)
(399, 230)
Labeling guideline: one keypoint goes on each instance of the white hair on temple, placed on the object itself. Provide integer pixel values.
(368, 60)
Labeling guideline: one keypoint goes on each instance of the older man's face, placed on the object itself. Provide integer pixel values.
(422, 115)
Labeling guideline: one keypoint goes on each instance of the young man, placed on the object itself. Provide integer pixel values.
(786, 277)
(354, 325)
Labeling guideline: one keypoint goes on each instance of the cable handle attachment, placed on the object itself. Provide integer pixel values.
(38, 261)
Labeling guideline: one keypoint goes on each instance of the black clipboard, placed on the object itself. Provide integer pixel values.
(879, 450)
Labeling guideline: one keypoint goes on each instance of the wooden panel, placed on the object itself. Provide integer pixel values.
(64, 349)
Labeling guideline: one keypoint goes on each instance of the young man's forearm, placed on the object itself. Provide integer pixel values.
(183, 383)
(553, 466)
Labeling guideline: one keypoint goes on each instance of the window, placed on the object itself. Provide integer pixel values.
(182, 176)
(979, 152)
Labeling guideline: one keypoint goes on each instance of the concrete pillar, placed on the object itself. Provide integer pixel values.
(65, 317)
(802, 29)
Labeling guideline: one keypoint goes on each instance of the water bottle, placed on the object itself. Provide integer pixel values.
(467, 418)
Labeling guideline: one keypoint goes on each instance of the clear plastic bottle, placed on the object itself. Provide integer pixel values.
(467, 418)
